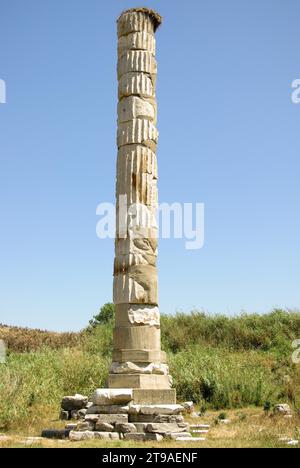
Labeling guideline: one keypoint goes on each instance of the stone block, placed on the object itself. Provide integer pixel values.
(133, 21)
(74, 414)
(169, 418)
(134, 107)
(138, 84)
(282, 409)
(108, 396)
(137, 179)
(155, 409)
(177, 435)
(112, 419)
(151, 381)
(155, 418)
(164, 428)
(108, 409)
(141, 418)
(139, 355)
(125, 428)
(74, 402)
(78, 436)
(137, 41)
(138, 285)
(136, 61)
(140, 426)
(71, 427)
(143, 437)
(189, 407)
(105, 427)
(91, 417)
(137, 131)
(135, 159)
(106, 435)
(85, 426)
(144, 257)
(154, 397)
(140, 368)
(138, 314)
(145, 337)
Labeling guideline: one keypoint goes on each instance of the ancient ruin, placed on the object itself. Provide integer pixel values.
(139, 362)
(138, 403)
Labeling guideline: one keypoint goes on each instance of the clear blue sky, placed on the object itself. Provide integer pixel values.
(229, 137)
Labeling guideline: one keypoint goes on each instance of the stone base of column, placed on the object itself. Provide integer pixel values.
(154, 397)
(122, 413)
(139, 355)
(139, 381)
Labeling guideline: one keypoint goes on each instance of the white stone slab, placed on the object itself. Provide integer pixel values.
(108, 396)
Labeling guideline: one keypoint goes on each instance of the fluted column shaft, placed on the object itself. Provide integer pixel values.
(137, 358)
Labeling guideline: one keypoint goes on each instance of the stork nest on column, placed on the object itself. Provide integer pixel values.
(155, 17)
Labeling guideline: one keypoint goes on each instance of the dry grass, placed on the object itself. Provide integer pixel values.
(249, 428)
(22, 340)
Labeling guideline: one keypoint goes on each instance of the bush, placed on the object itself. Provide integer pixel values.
(105, 315)
(216, 361)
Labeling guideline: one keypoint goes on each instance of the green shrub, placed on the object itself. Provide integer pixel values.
(105, 315)
(218, 362)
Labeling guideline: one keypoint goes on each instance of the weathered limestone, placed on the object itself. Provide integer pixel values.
(134, 107)
(85, 426)
(131, 368)
(152, 381)
(282, 409)
(107, 435)
(108, 409)
(75, 402)
(139, 285)
(138, 19)
(156, 409)
(137, 338)
(106, 396)
(168, 418)
(137, 355)
(143, 436)
(136, 61)
(73, 407)
(111, 419)
(138, 314)
(105, 427)
(78, 436)
(166, 428)
(125, 428)
(136, 84)
(138, 131)
(189, 407)
(137, 179)
(137, 40)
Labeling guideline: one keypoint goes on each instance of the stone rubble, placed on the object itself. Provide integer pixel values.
(282, 410)
(128, 420)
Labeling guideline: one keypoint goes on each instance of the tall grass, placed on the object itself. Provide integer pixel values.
(216, 361)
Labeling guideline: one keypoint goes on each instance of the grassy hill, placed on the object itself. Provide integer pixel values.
(216, 361)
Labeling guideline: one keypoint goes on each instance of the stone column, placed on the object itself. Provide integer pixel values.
(138, 361)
